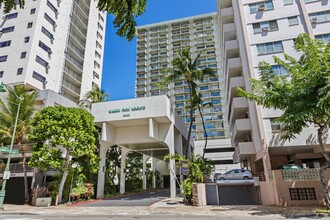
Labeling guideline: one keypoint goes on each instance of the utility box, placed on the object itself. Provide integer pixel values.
(44, 202)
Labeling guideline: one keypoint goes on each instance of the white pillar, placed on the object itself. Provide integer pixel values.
(153, 170)
(124, 152)
(144, 170)
(101, 172)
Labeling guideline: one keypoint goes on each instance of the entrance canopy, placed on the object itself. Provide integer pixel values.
(146, 125)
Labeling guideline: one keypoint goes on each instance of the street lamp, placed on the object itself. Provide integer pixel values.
(74, 166)
(6, 174)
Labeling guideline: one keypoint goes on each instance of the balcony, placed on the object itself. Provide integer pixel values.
(141, 70)
(73, 63)
(234, 67)
(229, 32)
(16, 168)
(241, 128)
(239, 107)
(232, 49)
(72, 77)
(227, 15)
(234, 83)
(246, 148)
(71, 89)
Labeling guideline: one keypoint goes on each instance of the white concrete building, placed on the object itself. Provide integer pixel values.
(157, 46)
(56, 45)
(148, 126)
(253, 31)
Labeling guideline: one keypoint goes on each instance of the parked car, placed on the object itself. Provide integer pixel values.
(236, 174)
(290, 167)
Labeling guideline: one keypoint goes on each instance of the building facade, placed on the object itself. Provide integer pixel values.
(56, 45)
(157, 46)
(253, 31)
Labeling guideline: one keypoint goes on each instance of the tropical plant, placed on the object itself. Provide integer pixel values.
(199, 168)
(8, 111)
(63, 135)
(304, 97)
(186, 68)
(133, 171)
(113, 162)
(93, 96)
(125, 12)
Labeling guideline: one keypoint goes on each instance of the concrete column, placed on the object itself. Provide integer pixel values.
(153, 169)
(124, 152)
(101, 172)
(144, 169)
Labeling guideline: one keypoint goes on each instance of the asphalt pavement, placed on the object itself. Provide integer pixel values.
(138, 199)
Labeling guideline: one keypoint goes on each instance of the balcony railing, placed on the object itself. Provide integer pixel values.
(26, 147)
(16, 168)
(301, 175)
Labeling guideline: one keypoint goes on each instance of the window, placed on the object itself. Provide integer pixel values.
(47, 33)
(41, 61)
(19, 71)
(3, 58)
(302, 193)
(99, 26)
(38, 77)
(52, 7)
(33, 11)
(97, 54)
(308, 1)
(99, 36)
(44, 47)
(179, 97)
(216, 101)
(96, 75)
(26, 39)
(96, 65)
(5, 43)
(1, 74)
(280, 70)
(215, 93)
(29, 25)
(98, 45)
(265, 26)
(261, 6)
(11, 16)
(8, 29)
(273, 47)
(276, 125)
(324, 37)
(204, 88)
(320, 17)
(49, 19)
(288, 2)
(23, 55)
(101, 18)
(293, 20)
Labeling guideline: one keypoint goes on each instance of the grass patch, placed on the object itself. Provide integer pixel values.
(322, 211)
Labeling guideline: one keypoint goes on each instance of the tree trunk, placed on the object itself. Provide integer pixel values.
(26, 188)
(205, 134)
(64, 176)
(191, 121)
(324, 168)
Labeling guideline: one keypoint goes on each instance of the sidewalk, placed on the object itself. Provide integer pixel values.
(165, 207)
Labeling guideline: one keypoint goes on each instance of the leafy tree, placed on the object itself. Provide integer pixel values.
(125, 12)
(94, 96)
(304, 97)
(186, 68)
(113, 162)
(133, 171)
(8, 111)
(63, 135)
(199, 168)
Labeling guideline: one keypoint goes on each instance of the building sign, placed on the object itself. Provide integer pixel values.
(126, 111)
(184, 167)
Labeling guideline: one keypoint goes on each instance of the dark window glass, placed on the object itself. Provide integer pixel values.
(47, 33)
(1, 74)
(44, 47)
(41, 61)
(11, 16)
(19, 71)
(33, 10)
(23, 55)
(38, 77)
(49, 19)
(8, 29)
(52, 7)
(29, 25)
(5, 43)
(26, 39)
(3, 58)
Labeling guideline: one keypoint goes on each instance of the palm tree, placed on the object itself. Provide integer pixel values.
(94, 96)
(8, 110)
(184, 66)
(199, 104)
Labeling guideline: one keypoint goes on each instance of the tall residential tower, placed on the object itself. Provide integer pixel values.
(53, 44)
(157, 46)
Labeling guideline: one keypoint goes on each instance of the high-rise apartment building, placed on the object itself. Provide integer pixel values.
(252, 31)
(157, 46)
(53, 44)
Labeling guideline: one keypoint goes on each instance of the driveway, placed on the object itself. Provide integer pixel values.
(138, 199)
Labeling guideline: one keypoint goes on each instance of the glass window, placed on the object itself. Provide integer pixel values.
(11, 16)
(41, 61)
(33, 11)
(19, 71)
(29, 25)
(51, 6)
(38, 77)
(216, 101)
(204, 87)
(324, 37)
(265, 26)
(23, 55)
(280, 70)
(3, 58)
(26, 39)
(293, 20)
(215, 93)
(267, 48)
(44, 47)
(275, 125)
(47, 33)
(288, 2)
(261, 6)
(49, 19)
(1, 74)
(8, 29)
(320, 17)
(5, 43)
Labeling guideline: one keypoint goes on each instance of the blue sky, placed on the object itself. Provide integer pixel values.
(120, 55)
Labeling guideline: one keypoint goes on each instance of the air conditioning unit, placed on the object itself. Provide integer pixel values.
(265, 28)
(261, 7)
(57, 13)
(4, 18)
(313, 20)
(50, 52)
(48, 67)
(55, 25)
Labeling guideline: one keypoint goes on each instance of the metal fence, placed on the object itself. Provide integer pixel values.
(16, 168)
